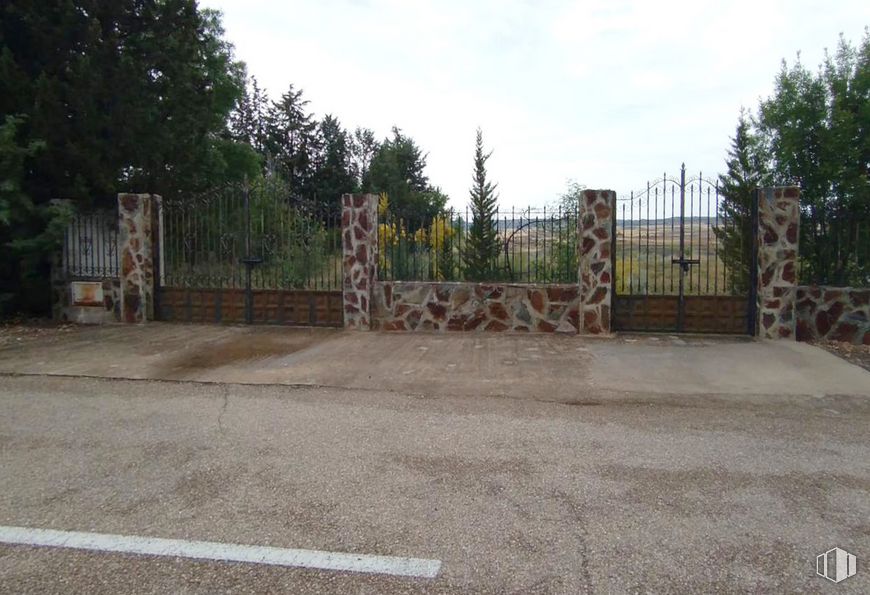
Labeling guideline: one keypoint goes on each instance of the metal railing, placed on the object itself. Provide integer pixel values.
(213, 240)
(837, 254)
(90, 245)
(532, 245)
(677, 237)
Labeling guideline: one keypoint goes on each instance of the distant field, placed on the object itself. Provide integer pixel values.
(644, 252)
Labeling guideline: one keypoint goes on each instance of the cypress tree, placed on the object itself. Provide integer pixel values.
(737, 187)
(482, 248)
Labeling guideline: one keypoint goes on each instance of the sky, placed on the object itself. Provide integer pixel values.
(609, 94)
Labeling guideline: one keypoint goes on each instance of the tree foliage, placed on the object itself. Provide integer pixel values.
(333, 169)
(292, 140)
(815, 132)
(746, 172)
(120, 96)
(482, 248)
(98, 98)
(398, 169)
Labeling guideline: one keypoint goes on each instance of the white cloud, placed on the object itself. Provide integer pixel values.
(607, 93)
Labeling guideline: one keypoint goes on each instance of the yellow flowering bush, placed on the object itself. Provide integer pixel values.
(440, 230)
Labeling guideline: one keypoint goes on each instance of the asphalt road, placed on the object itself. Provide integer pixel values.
(607, 492)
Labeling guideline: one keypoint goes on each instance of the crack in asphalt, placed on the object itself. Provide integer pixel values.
(226, 402)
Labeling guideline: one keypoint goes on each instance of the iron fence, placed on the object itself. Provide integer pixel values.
(666, 244)
(515, 245)
(90, 245)
(837, 254)
(215, 240)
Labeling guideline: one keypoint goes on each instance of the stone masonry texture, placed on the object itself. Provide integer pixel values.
(359, 263)
(424, 306)
(778, 233)
(834, 314)
(596, 276)
(137, 249)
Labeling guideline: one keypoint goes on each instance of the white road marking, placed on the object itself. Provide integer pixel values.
(209, 550)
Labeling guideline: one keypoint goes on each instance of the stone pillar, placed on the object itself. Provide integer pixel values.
(596, 276)
(138, 252)
(778, 234)
(360, 245)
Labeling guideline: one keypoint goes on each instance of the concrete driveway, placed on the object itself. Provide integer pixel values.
(542, 367)
(527, 464)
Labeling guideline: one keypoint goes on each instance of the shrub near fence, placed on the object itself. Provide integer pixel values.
(839, 256)
(207, 238)
(535, 246)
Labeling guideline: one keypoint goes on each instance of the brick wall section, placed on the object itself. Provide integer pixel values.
(137, 245)
(833, 313)
(421, 306)
(778, 233)
(596, 276)
(360, 244)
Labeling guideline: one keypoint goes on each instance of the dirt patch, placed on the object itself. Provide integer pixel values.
(16, 332)
(854, 354)
(242, 348)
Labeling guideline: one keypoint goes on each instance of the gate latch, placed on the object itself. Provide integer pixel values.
(684, 263)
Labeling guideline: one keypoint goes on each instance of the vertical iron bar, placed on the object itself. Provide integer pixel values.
(681, 313)
(640, 275)
(512, 249)
(673, 219)
(707, 261)
(562, 244)
(631, 244)
(249, 295)
(700, 231)
(647, 237)
(622, 277)
(718, 243)
(752, 313)
(691, 232)
(538, 277)
(656, 243)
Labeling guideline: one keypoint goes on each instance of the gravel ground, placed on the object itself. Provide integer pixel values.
(854, 354)
(18, 331)
(617, 493)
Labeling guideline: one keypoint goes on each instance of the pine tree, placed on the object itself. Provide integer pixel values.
(398, 169)
(737, 187)
(482, 248)
(363, 146)
(248, 122)
(332, 175)
(292, 140)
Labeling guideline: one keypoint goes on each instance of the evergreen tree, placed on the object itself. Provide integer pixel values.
(737, 188)
(121, 96)
(482, 247)
(332, 175)
(816, 130)
(249, 120)
(363, 146)
(398, 169)
(293, 141)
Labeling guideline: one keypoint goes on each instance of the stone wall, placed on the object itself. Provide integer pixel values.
(833, 313)
(423, 306)
(64, 310)
(778, 232)
(596, 276)
(138, 219)
(87, 257)
(359, 262)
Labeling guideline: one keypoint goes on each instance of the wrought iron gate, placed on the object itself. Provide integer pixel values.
(250, 253)
(684, 259)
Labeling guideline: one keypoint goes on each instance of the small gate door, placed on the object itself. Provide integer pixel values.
(684, 258)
